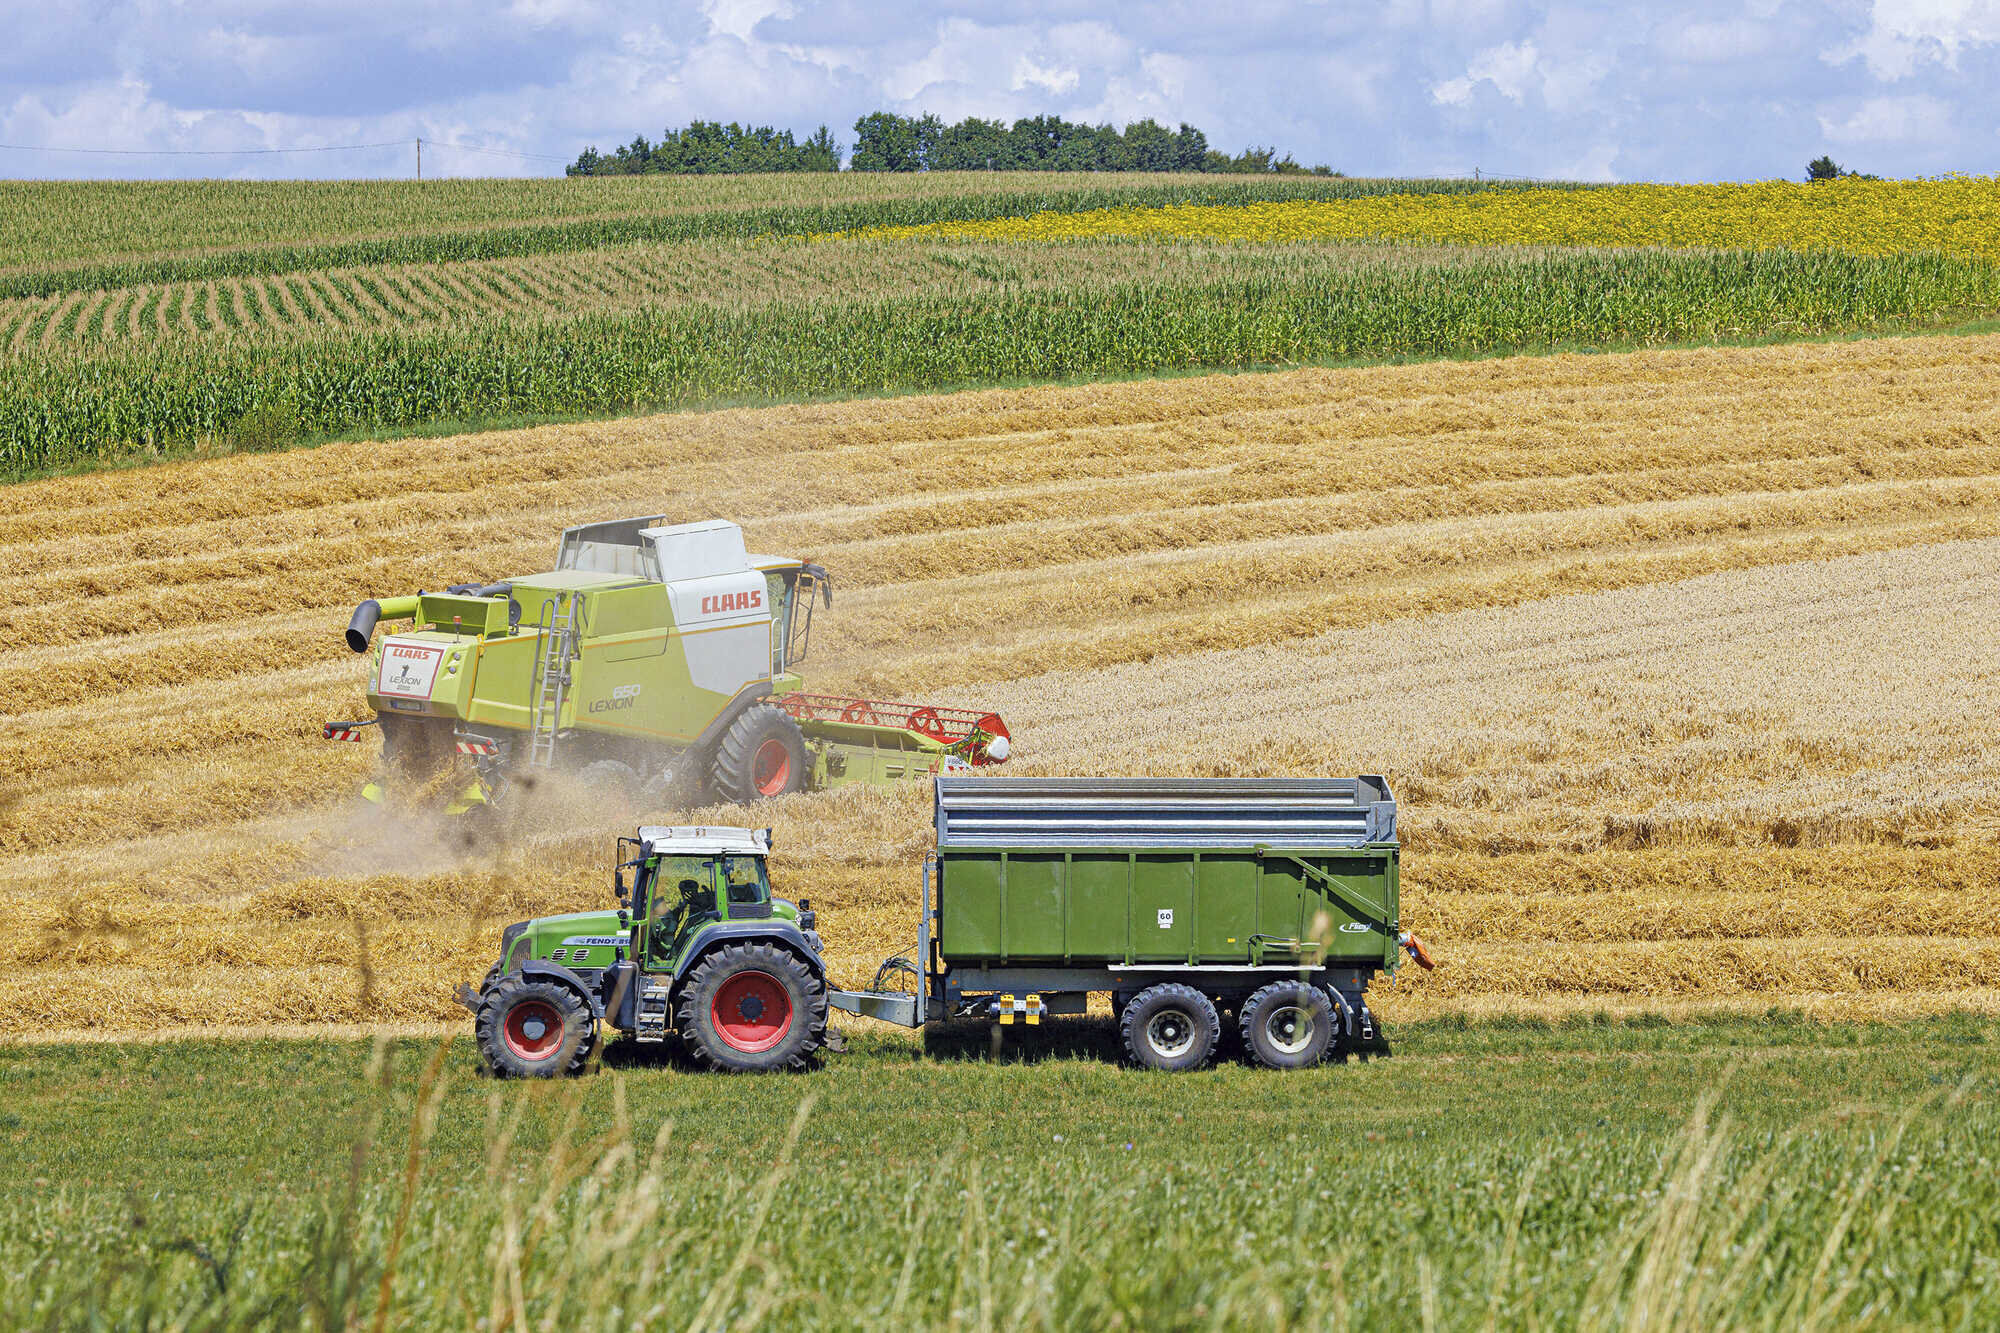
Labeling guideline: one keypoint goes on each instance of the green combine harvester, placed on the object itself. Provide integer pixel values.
(651, 657)
(1272, 902)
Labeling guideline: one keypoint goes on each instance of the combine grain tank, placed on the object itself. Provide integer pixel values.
(1271, 900)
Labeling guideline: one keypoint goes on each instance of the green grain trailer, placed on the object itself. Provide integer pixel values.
(1271, 900)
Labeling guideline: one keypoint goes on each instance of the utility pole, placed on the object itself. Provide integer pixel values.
(420, 159)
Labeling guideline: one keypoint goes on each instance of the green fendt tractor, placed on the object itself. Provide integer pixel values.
(698, 947)
(651, 656)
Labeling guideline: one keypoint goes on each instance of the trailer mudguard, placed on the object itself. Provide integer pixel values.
(540, 969)
(777, 928)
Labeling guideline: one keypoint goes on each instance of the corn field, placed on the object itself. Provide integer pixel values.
(87, 237)
(363, 368)
(1677, 660)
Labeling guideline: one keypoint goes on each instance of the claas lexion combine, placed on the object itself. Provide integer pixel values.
(652, 657)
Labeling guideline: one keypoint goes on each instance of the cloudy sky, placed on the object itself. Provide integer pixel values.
(1601, 92)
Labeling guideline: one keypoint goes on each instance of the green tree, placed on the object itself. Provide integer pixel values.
(884, 141)
(1148, 147)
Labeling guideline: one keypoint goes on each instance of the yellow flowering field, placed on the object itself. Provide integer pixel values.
(1953, 215)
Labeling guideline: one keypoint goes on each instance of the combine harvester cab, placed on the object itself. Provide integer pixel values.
(650, 655)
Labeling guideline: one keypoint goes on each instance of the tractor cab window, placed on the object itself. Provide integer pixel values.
(746, 880)
(683, 889)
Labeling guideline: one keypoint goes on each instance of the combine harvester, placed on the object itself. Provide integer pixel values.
(650, 656)
(1273, 901)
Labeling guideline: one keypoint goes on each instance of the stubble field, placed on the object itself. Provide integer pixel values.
(1680, 662)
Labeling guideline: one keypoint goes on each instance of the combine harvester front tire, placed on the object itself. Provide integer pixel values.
(763, 753)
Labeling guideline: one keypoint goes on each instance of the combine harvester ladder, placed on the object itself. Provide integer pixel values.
(555, 645)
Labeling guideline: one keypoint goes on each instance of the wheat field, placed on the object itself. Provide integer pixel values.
(1680, 662)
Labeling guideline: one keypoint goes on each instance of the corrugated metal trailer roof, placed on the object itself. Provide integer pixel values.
(1301, 813)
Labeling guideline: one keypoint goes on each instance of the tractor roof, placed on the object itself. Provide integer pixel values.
(704, 840)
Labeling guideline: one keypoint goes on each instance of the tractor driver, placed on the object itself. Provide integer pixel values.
(690, 896)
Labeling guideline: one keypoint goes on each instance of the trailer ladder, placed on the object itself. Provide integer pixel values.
(555, 646)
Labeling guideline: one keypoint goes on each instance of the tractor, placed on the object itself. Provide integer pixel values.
(652, 658)
(697, 948)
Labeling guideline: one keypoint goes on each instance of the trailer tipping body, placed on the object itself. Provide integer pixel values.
(1044, 891)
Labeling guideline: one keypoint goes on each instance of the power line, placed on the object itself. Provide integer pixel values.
(496, 152)
(199, 152)
(241, 152)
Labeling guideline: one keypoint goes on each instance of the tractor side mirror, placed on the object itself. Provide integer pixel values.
(620, 887)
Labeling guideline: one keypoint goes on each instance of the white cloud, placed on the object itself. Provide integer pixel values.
(1508, 67)
(739, 18)
(1719, 89)
(1718, 42)
(1892, 120)
(1904, 34)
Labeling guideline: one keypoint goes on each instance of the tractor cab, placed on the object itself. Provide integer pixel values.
(689, 878)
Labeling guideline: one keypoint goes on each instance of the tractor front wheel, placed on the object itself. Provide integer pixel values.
(752, 1008)
(762, 754)
(534, 1029)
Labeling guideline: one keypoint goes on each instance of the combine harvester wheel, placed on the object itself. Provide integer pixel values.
(762, 754)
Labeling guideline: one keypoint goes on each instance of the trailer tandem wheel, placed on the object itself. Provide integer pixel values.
(1170, 1026)
(1289, 1025)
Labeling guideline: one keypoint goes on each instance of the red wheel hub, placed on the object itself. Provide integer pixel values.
(533, 1030)
(771, 767)
(752, 1011)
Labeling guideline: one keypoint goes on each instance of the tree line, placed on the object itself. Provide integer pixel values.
(884, 141)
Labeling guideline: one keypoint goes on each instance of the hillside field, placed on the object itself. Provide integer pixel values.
(1680, 663)
(139, 322)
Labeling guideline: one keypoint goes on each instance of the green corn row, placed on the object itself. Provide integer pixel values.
(61, 411)
(780, 220)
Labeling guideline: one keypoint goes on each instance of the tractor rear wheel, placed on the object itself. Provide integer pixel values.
(1171, 1027)
(762, 754)
(534, 1029)
(1289, 1025)
(752, 1008)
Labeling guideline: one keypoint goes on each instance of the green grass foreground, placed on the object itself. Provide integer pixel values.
(62, 412)
(1732, 1172)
